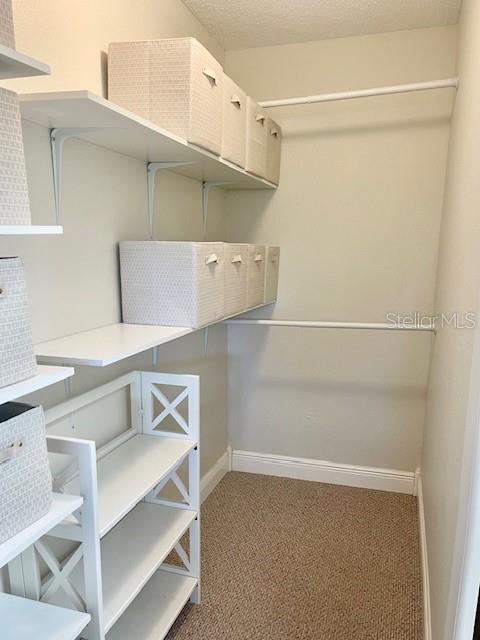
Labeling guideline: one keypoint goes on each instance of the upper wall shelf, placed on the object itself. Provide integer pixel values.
(14, 64)
(112, 127)
(30, 230)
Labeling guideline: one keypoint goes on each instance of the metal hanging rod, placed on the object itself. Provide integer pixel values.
(375, 326)
(448, 83)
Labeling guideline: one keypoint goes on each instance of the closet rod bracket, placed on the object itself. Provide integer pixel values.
(152, 169)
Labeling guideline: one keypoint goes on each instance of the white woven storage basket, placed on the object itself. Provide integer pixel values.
(272, 267)
(172, 283)
(274, 147)
(7, 33)
(17, 360)
(25, 478)
(234, 134)
(175, 83)
(257, 129)
(236, 266)
(255, 275)
(14, 201)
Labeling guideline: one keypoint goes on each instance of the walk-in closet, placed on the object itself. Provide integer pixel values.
(239, 319)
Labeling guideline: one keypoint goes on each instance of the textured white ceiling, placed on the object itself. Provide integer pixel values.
(240, 24)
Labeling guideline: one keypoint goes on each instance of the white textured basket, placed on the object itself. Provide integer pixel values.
(7, 33)
(272, 267)
(172, 283)
(234, 135)
(255, 275)
(14, 201)
(274, 147)
(17, 360)
(175, 83)
(25, 478)
(235, 268)
(257, 129)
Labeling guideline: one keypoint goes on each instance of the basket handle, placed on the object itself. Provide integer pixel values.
(275, 132)
(210, 74)
(11, 452)
(258, 257)
(237, 258)
(212, 258)
(236, 101)
(260, 118)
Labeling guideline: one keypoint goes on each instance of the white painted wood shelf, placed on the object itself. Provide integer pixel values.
(106, 345)
(14, 64)
(23, 619)
(62, 507)
(30, 230)
(156, 608)
(112, 127)
(46, 376)
(132, 470)
(126, 568)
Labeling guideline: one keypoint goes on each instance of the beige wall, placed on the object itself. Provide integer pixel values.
(73, 36)
(357, 217)
(448, 425)
(73, 279)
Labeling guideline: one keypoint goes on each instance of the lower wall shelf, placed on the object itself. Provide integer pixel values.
(155, 609)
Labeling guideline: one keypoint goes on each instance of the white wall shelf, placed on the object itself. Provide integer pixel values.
(112, 127)
(154, 611)
(106, 345)
(14, 64)
(62, 507)
(30, 230)
(24, 619)
(45, 377)
(132, 470)
(126, 568)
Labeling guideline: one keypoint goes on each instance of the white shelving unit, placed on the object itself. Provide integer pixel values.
(14, 64)
(24, 619)
(90, 117)
(136, 522)
(152, 614)
(30, 230)
(45, 377)
(62, 507)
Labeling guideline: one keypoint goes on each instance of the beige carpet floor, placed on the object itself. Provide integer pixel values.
(292, 560)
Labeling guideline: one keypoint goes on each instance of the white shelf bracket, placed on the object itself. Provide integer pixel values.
(206, 186)
(58, 137)
(152, 169)
(205, 341)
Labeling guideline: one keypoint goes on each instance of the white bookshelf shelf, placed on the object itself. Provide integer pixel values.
(62, 507)
(46, 376)
(30, 230)
(14, 64)
(24, 619)
(132, 470)
(106, 345)
(112, 127)
(126, 568)
(155, 609)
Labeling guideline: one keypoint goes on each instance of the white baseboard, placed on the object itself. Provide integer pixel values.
(427, 619)
(322, 471)
(210, 479)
